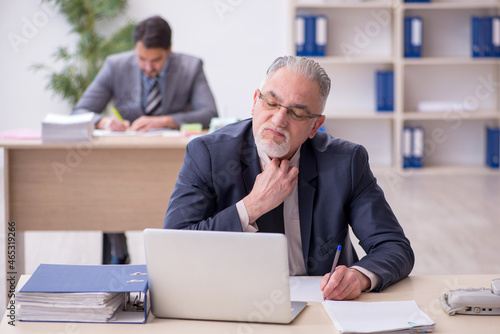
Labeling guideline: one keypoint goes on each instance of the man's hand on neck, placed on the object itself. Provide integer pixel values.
(271, 188)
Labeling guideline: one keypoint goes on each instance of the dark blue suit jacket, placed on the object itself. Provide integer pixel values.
(336, 189)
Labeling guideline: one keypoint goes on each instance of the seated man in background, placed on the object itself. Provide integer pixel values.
(277, 173)
(151, 87)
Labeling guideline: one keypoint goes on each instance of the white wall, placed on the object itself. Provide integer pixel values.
(23, 99)
(237, 39)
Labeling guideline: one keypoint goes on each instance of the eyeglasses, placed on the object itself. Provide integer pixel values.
(293, 114)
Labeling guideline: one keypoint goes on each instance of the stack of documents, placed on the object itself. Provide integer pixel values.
(72, 307)
(378, 317)
(62, 128)
(79, 293)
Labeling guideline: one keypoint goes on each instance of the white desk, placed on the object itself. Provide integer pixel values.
(425, 290)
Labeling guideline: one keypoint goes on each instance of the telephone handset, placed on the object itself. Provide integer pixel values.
(474, 301)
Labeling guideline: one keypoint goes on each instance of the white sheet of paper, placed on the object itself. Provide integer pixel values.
(305, 288)
(377, 317)
(154, 132)
(63, 119)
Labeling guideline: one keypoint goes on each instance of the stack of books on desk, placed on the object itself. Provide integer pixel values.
(80, 293)
(67, 128)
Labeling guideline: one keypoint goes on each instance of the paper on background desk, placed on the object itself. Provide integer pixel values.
(378, 317)
(305, 289)
(63, 119)
(21, 134)
(154, 132)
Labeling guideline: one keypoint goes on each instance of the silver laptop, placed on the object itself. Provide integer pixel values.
(211, 275)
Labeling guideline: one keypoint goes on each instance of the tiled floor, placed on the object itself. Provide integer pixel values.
(452, 221)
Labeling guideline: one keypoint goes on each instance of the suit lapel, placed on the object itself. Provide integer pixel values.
(171, 83)
(307, 183)
(131, 97)
(250, 165)
(137, 94)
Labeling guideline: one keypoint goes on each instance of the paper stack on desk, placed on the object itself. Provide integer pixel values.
(71, 307)
(81, 293)
(378, 317)
(64, 128)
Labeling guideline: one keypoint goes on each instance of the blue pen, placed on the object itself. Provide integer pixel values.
(335, 261)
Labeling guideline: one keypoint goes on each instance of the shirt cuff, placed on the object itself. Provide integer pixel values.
(374, 278)
(244, 219)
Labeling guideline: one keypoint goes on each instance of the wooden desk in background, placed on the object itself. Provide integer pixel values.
(425, 290)
(111, 184)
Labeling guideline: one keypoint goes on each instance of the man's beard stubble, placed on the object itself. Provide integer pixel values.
(270, 147)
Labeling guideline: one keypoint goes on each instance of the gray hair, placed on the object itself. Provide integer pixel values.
(307, 67)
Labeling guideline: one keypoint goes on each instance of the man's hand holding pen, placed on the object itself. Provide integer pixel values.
(344, 284)
(112, 124)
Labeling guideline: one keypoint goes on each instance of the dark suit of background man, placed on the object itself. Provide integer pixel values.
(276, 173)
(151, 87)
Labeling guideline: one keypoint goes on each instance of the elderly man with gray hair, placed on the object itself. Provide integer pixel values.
(277, 173)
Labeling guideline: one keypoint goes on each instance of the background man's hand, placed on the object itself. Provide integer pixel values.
(145, 123)
(345, 284)
(112, 124)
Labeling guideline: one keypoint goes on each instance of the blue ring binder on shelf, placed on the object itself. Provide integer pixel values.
(311, 35)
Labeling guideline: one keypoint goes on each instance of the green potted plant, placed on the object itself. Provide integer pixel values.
(79, 67)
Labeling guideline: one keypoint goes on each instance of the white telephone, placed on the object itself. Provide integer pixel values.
(482, 301)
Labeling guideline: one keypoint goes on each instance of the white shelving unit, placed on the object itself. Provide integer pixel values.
(367, 36)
